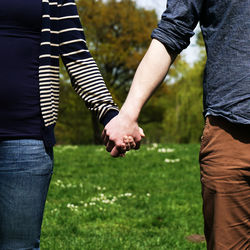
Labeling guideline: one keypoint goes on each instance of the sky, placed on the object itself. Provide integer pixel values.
(191, 53)
(158, 5)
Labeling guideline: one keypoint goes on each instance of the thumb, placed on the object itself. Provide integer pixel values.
(141, 132)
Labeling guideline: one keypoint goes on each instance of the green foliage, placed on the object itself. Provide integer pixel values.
(174, 113)
(183, 120)
(144, 201)
(118, 34)
(74, 118)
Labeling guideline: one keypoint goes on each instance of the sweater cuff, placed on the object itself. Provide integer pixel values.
(108, 116)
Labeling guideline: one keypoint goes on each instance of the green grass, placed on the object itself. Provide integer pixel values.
(136, 202)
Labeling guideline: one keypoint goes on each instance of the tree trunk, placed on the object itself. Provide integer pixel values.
(96, 129)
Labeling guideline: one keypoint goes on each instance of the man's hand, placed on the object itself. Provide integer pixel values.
(149, 75)
(117, 135)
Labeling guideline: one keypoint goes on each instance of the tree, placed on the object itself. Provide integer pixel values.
(117, 34)
(174, 112)
(183, 120)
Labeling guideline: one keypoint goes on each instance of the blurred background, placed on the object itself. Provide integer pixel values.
(151, 199)
(118, 34)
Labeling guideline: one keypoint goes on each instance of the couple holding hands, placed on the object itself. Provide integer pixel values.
(34, 34)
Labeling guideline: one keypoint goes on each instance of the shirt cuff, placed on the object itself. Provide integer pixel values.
(108, 116)
(175, 38)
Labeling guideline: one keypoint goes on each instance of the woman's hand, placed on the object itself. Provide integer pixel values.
(122, 134)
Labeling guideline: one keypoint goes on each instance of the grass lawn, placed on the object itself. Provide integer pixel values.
(151, 199)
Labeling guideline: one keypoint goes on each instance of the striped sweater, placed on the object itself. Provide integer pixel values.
(62, 35)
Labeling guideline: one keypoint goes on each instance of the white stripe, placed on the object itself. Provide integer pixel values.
(49, 70)
(59, 18)
(100, 90)
(87, 97)
(91, 74)
(46, 111)
(48, 55)
(46, 16)
(79, 61)
(51, 120)
(48, 74)
(55, 94)
(49, 88)
(48, 102)
(96, 89)
(96, 100)
(55, 91)
(47, 123)
(61, 31)
(59, 5)
(44, 95)
(63, 17)
(49, 66)
(70, 29)
(55, 80)
(90, 79)
(83, 66)
(75, 52)
(51, 44)
(66, 4)
(49, 115)
(48, 107)
(83, 69)
(84, 85)
(96, 97)
(73, 41)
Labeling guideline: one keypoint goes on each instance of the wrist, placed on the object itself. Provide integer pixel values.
(109, 116)
(129, 114)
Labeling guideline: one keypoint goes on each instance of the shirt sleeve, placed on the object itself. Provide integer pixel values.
(177, 24)
(85, 76)
(108, 117)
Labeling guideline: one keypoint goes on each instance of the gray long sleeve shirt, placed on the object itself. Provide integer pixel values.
(225, 26)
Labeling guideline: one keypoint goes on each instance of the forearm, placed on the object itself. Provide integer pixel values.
(149, 75)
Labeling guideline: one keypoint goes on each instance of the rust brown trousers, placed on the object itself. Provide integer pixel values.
(225, 178)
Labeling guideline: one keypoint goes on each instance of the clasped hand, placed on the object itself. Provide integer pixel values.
(121, 135)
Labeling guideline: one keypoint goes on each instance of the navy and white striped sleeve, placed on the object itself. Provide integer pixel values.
(177, 24)
(83, 71)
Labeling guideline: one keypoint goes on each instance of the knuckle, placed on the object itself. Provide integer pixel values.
(111, 138)
(120, 145)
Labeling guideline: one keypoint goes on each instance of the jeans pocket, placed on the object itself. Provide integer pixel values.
(44, 163)
(27, 156)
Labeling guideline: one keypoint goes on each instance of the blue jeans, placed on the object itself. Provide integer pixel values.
(26, 167)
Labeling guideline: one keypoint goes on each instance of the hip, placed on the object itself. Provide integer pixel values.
(25, 155)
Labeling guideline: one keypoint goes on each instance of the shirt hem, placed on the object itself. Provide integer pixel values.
(230, 118)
